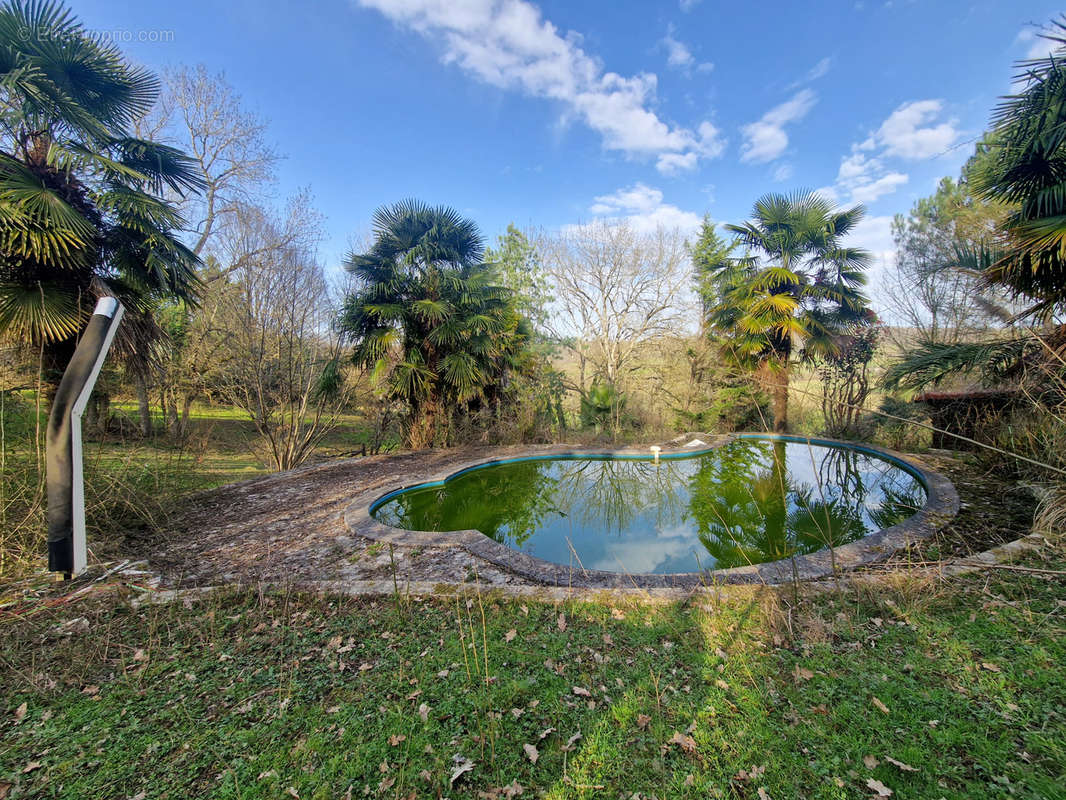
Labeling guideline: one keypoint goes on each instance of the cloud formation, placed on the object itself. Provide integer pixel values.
(766, 139)
(679, 55)
(643, 207)
(506, 43)
(911, 132)
(677, 52)
(866, 179)
(1036, 45)
(908, 132)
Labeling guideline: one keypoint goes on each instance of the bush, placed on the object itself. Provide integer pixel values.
(602, 407)
(898, 430)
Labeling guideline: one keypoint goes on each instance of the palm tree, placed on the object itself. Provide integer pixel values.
(427, 318)
(1022, 164)
(800, 288)
(81, 206)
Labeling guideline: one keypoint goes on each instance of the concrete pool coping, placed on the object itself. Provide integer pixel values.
(942, 503)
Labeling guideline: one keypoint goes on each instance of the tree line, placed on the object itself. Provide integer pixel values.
(114, 181)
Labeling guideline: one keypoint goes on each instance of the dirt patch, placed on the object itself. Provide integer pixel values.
(289, 526)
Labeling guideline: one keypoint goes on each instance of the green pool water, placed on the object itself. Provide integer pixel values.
(750, 501)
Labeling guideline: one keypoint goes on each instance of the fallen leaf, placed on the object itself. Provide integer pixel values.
(395, 739)
(462, 766)
(561, 622)
(509, 636)
(879, 789)
(566, 748)
(91, 690)
(990, 666)
(426, 775)
(721, 684)
(5, 788)
(20, 713)
(685, 742)
(642, 721)
(881, 706)
(870, 762)
(262, 776)
(31, 767)
(617, 613)
(531, 752)
(580, 692)
(901, 765)
(802, 674)
(763, 795)
(423, 712)
(546, 732)
(524, 609)
(291, 791)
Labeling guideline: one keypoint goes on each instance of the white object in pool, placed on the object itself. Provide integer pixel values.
(696, 443)
(655, 450)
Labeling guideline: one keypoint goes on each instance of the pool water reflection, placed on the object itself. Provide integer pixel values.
(749, 501)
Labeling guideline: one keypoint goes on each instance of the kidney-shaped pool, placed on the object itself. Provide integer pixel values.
(749, 501)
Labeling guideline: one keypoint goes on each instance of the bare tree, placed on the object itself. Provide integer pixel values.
(615, 289)
(283, 367)
(929, 296)
(203, 113)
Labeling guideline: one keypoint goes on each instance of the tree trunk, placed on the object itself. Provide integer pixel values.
(422, 433)
(144, 406)
(779, 376)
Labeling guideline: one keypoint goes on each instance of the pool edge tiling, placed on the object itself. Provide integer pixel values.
(942, 503)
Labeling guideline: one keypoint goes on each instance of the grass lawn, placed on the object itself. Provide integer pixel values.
(951, 689)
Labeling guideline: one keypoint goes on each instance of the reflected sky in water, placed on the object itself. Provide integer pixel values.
(750, 501)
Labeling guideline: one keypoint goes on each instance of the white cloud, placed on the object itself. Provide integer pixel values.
(506, 43)
(643, 207)
(865, 178)
(829, 193)
(766, 139)
(688, 5)
(677, 52)
(908, 132)
(782, 173)
(1036, 45)
(819, 69)
(679, 55)
(886, 184)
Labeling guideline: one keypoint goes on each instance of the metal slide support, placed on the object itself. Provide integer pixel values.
(66, 486)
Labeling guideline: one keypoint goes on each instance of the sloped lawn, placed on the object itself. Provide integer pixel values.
(924, 690)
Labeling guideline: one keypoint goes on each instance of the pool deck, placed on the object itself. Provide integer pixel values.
(312, 525)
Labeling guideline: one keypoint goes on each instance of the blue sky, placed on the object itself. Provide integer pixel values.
(558, 112)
